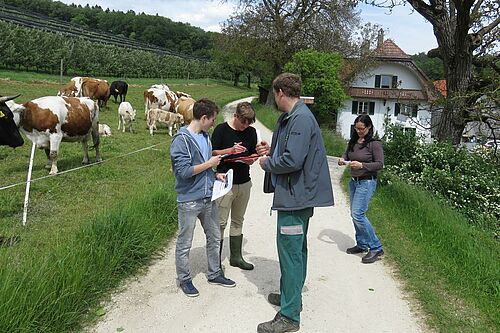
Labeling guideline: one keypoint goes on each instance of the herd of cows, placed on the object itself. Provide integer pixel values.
(73, 115)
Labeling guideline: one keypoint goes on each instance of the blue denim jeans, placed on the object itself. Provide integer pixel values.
(206, 211)
(360, 193)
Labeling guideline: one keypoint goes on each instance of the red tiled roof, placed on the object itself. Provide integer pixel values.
(440, 86)
(389, 49)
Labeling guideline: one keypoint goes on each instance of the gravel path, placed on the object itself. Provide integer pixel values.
(340, 294)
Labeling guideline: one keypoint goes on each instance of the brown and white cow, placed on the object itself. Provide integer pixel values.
(184, 107)
(73, 88)
(159, 99)
(96, 89)
(47, 121)
(172, 120)
(87, 87)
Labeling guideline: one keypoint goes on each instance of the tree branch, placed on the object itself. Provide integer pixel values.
(424, 9)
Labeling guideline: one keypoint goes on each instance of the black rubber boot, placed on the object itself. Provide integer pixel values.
(236, 259)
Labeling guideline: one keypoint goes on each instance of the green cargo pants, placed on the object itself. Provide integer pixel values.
(291, 240)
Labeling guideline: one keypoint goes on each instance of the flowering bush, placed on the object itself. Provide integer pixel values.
(469, 181)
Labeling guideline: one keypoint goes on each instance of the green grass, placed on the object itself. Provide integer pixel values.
(88, 229)
(449, 266)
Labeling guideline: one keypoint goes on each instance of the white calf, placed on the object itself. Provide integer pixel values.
(126, 115)
(104, 130)
(172, 120)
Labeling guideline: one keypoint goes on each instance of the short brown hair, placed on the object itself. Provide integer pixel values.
(205, 107)
(244, 110)
(288, 83)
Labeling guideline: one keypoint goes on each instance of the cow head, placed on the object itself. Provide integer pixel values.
(9, 133)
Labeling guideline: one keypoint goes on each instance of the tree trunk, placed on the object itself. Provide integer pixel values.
(236, 79)
(457, 59)
(249, 79)
(270, 98)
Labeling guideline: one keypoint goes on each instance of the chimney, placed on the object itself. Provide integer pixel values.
(380, 38)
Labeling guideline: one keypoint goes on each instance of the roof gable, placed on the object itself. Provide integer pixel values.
(389, 50)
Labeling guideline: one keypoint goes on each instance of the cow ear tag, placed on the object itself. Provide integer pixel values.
(1, 114)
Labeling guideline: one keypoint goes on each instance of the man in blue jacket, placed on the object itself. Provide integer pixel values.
(301, 180)
(192, 163)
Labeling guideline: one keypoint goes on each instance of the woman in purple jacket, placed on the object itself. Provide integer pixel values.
(365, 156)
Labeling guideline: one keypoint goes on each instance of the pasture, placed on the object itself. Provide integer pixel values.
(89, 228)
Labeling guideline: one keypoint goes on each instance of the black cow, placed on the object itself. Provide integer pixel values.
(118, 88)
(9, 133)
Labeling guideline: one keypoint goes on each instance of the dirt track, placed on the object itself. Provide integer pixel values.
(340, 294)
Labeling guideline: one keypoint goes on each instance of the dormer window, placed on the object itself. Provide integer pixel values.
(386, 81)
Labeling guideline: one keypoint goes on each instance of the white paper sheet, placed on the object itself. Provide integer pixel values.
(222, 188)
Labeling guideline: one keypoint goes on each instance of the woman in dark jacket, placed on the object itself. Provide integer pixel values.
(365, 156)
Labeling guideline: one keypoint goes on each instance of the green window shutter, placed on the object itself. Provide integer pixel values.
(371, 111)
(397, 109)
(377, 81)
(354, 107)
(395, 81)
(414, 110)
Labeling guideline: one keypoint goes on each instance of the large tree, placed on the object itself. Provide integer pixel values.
(280, 28)
(467, 34)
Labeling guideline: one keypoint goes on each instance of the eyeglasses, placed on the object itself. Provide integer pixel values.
(359, 129)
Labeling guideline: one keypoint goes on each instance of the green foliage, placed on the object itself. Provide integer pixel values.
(319, 72)
(432, 67)
(82, 57)
(469, 181)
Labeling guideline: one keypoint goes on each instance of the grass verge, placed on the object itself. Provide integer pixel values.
(52, 292)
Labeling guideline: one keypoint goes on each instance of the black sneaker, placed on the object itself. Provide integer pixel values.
(372, 256)
(189, 289)
(355, 250)
(279, 324)
(221, 280)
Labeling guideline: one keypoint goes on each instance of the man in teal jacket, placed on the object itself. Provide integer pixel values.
(301, 180)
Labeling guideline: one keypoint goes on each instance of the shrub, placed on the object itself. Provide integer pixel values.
(469, 181)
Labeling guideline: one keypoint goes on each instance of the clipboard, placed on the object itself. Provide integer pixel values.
(241, 158)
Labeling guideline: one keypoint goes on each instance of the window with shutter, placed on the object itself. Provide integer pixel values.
(377, 81)
(371, 110)
(354, 107)
(414, 110)
(397, 109)
(394, 81)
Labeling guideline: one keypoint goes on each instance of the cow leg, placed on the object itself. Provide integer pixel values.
(119, 121)
(85, 148)
(49, 163)
(55, 142)
(170, 129)
(96, 139)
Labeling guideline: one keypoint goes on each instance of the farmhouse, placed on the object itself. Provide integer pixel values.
(394, 90)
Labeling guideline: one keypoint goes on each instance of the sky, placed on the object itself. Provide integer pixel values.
(409, 31)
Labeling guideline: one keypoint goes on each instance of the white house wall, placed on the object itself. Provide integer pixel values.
(404, 74)
(408, 80)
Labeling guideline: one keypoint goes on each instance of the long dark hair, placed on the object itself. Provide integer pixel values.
(367, 121)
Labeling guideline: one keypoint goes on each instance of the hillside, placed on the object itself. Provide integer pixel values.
(145, 32)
